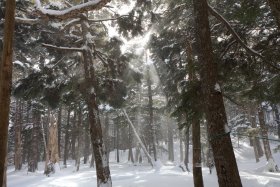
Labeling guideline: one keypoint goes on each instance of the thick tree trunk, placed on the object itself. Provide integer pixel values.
(226, 167)
(6, 67)
(100, 155)
(101, 161)
(197, 168)
(66, 140)
(18, 148)
(181, 147)
(197, 172)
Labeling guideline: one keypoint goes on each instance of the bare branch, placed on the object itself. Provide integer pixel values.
(71, 23)
(63, 48)
(69, 12)
(109, 19)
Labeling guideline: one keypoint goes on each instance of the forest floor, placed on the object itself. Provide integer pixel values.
(126, 174)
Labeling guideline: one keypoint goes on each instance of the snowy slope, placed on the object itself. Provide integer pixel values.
(125, 174)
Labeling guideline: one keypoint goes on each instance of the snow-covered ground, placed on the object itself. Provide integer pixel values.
(125, 174)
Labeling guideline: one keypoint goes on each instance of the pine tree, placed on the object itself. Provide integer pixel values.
(225, 162)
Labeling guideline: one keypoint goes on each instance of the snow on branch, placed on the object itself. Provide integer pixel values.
(63, 48)
(27, 20)
(69, 12)
(109, 19)
(237, 37)
(233, 32)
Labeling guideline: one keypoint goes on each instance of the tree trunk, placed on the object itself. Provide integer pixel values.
(264, 134)
(253, 135)
(130, 152)
(18, 148)
(117, 141)
(197, 172)
(53, 141)
(66, 140)
(100, 155)
(226, 167)
(92, 160)
(106, 135)
(73, 136)
(197, 168)
(86, 144)
(181, 147)
(33, 162)
(59, 129)
(170, 142)
(275, 108)
(45, 146)
(79, 128)
(151, 115)
(6, 67)
(266, 144)
(187, 145)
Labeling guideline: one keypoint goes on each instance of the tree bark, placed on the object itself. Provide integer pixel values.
(66, 140)
(79, 138)
(275, 108)
(226, 167)
(18, 143)
(106, 135)
(53, 141)
(151, 115)
(74, 136)
(187, 145)
(171, 143)
(197, 168)
(33, 162)
(130, 152)
(6, 67)
(253, 138)
(117, 130)
(100, 155)
(86, 144)
(197, 171)
(264, 134)
(59, 129)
